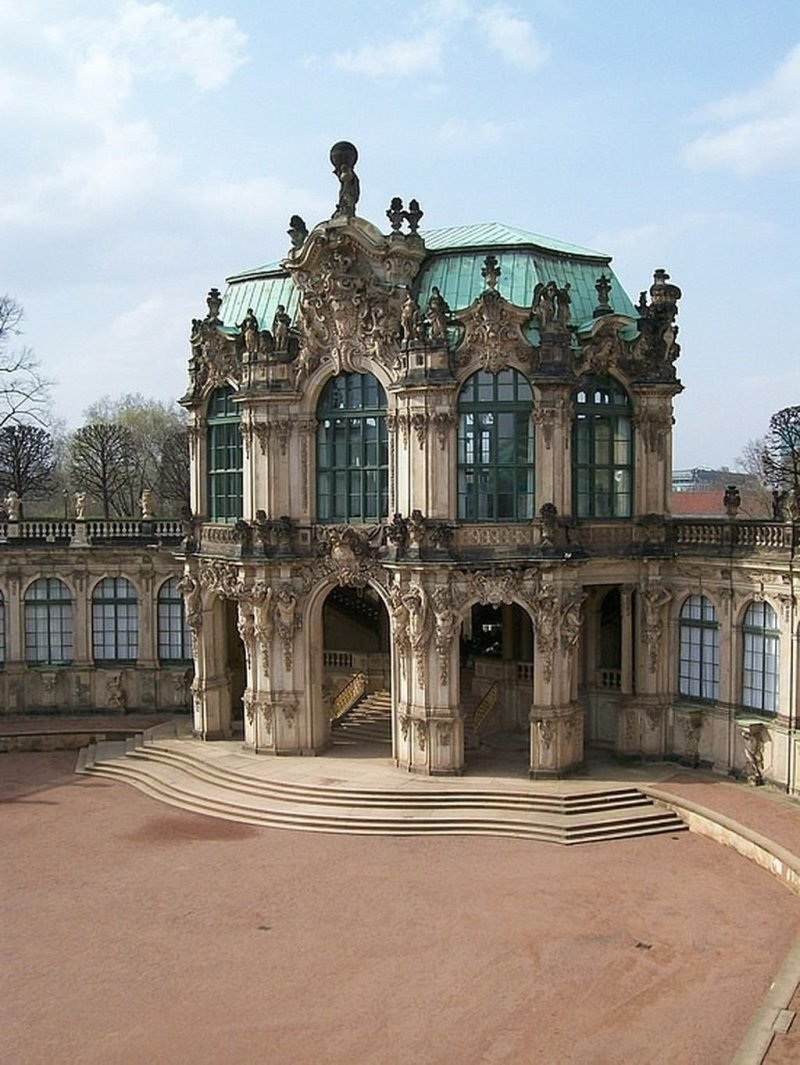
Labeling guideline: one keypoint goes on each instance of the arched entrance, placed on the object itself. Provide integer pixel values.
(608, 662)
(356, 667)
(497, 684)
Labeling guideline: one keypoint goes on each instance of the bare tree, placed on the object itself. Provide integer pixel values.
(102, 463)
(780, 458)
(27, 460)
(173, 476)
(160, 456)
(24, 392)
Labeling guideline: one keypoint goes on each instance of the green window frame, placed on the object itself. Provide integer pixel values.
(48, 623)
(352, 450)
(602, 450)
(698, 675)
(495, 447)
(115, 621)
(174, 638)
(224, 456)
(760, 658)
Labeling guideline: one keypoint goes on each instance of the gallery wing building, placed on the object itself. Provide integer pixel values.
(432, 469)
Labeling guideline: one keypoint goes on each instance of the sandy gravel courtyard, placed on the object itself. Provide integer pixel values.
(133, 932)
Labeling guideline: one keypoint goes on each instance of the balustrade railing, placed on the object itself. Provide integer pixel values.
(349, 695)
(485, 707)
(50, 530)
(337, 659)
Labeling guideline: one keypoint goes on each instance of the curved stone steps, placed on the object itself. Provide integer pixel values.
(571, 804)
(172, 780)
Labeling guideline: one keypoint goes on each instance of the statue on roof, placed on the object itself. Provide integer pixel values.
(395, 214)
(297, 231)
(344, 157)
(544, 304)
(410, 320)
(563, 302)
(281, 324)
(250, 332)
(438, 312)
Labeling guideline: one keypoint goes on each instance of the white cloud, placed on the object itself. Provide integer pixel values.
(760, 129)
(513, 37)
(73, 98)
(260, 201)
(395, 59)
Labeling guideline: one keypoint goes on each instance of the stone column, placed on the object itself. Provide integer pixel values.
(552, 418)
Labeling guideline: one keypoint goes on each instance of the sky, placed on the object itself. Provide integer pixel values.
(151, 149)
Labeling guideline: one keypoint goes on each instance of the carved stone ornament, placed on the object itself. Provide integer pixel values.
(655, 427)
(571, 617)
(404, 722)
(421, 728)
(654, 598)
(547, 732)
(223, 578)
(444, 730)
(446, 624)
(443, 422)
(546, 610)
(493, 333)
(352, 283)
(215, 353)
(754, 738)
(287, 620)
(351, 553)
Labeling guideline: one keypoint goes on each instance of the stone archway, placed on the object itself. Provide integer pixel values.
(496, 684)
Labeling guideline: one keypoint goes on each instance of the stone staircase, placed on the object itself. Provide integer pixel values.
(369, 721)
(221, 780)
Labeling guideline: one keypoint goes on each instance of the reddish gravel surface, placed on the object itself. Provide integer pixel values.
(136, 933)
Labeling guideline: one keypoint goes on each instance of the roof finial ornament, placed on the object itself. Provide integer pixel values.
(491, 271)
(344, 157)
(396, 214)
(603, 287)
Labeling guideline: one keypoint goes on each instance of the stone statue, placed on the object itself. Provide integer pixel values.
(438, 312)
(732, 500)
(544, 303)
(410, 320)
(413, 215)
(249, 328)
(280, 328)
(344, 157)
(563, 302)
(147, 503)
(297, 231)
(80, 506)
(13, 505)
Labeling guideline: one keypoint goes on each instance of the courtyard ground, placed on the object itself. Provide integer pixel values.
(134, 932)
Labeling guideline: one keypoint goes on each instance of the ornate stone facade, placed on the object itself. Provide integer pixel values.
(578, 566)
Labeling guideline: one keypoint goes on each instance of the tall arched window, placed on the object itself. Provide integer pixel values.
(699, 655)
(224, 457)
(761, 641)
(48, 623)
(495, 447)
(602, 450)
(174, 638)
(2, 631)
(115, 621)
(352, 450)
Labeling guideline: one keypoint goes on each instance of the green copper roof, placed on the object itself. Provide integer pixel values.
(454, 265)
(264, 290)
(493, 234)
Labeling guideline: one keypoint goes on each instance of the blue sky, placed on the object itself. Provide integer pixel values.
(152, 149)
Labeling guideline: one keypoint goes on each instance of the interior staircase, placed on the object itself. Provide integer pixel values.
(369, 721)
(220, 780)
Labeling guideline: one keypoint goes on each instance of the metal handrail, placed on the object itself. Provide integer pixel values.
(349, 695)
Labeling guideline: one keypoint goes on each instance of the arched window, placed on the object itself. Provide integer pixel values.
(115, 621)
(602, 450)
(352, 451)
(224, 457)
(699, 654)
(761, 638)
(174, 638)
(2, 631)
(495, 447)
(48, 623)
